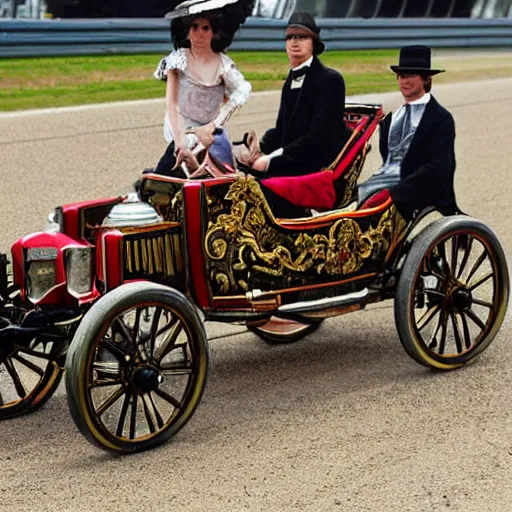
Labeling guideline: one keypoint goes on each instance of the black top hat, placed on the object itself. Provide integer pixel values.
(304, 20)
(415, 59)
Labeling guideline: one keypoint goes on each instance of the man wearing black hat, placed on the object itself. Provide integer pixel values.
(417, 144)
(310, 129)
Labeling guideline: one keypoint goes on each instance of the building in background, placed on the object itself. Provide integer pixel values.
(280, 9)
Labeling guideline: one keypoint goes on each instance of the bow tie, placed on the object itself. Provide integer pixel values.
(295, 74)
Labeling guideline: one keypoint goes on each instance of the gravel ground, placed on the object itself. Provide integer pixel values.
(343, 420)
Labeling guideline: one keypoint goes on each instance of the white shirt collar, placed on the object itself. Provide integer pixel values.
(421, 101)
(304, 64)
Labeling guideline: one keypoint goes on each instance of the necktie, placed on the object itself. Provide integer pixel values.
(400, 128)
(294, 74)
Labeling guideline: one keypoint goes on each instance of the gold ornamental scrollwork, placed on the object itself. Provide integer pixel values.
(247, 239)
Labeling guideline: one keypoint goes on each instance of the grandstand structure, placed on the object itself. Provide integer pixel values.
(279, 9)
(408, 8)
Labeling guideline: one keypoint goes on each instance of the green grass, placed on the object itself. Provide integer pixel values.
(53, 82)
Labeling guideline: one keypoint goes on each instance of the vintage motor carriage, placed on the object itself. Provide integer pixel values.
(131, 284)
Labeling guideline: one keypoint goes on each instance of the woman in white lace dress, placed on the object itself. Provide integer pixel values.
(204, 87)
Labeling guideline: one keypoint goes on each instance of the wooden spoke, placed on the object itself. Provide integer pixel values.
(444, 329)
(104, 383)
(133, 416)
(123, 329)
(147, 414)
(176, 371)
(34, 353)
(136, 326)
(122, 415)
(154, 331)
(477, 264)
(455, 249)
(433, 343)
(168, 344)
(481, 281)
(113, 349)
(168, 398)
(110, 401)
(29, 364)
(163, 330)
(441, 249)
(435, 292)
(467, 334)
(456, 332)
(158, 416)
(483, 303)
(15, 378)
(427, 317)
(475, 318)
(465, 258)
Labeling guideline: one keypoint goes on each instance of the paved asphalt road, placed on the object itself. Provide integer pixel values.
(343, 421)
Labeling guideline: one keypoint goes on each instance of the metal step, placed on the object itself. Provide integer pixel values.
(331, 306)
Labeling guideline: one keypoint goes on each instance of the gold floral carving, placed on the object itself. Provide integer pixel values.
(351, 178)
(246, 237)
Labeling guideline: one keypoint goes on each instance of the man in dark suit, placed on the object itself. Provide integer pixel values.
(310, 130)
(417, 143)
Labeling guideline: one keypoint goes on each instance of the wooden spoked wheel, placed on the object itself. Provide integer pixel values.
(137, 367)
(452, 294)
(29, 376)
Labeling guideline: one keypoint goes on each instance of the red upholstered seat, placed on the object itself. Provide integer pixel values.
(314, 190)
(317, 190)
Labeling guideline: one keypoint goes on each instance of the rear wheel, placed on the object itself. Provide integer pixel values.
(136, 368)
(452, 293)
(278, 331)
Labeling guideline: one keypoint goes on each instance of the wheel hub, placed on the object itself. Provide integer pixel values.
(462, 299)
(147, 379)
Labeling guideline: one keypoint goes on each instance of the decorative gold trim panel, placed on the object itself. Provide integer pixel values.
(244, 241)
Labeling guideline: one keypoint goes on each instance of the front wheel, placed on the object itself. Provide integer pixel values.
(452, 293)
(137, 367)
(29, 376)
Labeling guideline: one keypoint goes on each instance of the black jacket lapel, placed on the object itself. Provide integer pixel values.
(430, 116)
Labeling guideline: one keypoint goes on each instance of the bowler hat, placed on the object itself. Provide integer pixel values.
(306, 22)
(415, 59)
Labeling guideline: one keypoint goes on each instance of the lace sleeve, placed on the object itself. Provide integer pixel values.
(238, 90)
(175, 60)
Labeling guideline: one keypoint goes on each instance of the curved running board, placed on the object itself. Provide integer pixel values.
(330, 306)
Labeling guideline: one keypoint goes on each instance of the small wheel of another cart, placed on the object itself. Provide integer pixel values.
(29, 376)
(279, 331)
(452, 293)
(137, 367)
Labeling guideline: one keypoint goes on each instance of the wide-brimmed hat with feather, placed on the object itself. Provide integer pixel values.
(226, 17)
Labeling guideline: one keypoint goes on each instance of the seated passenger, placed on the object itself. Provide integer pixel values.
(310, 130)
(416, 143)
(204, 87)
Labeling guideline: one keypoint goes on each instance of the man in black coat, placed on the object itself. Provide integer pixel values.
(417, 143)
(310, 130)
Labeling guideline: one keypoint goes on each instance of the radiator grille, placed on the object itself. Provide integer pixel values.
(156, 255)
